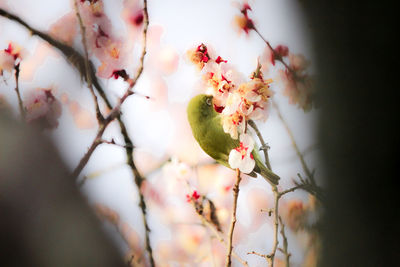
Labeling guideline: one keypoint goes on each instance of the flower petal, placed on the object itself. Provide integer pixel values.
(247, 141)
(235, 159)
(247, 164)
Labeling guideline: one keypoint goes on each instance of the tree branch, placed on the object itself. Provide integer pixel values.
(233, 220)
(99, 116)
(271, 255)
(264, 146)
(277, 56)
(285, 243)
(20, 103)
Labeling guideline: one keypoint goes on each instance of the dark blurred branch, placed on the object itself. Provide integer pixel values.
(20, 103)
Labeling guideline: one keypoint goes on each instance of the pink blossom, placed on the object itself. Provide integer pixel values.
(132, 13)
(256, 90)
(199, 56)
(193, 197)
(233, 124)
(251, 99)
(233, 120)
(241, 157)
(101, 40)
(242, 21)
(298, 62)
(299, 89)
(298, 85)
(220, 60)
(282, 50)
(42, 108)
(219, 85)
(65, 29)
(6, 62)
(9, 57)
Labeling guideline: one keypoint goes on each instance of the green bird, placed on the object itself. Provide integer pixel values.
(208, 131)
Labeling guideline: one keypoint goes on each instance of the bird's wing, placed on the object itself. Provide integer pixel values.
(215, 142)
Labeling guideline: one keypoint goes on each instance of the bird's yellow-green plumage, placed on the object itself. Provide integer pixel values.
(209, 133)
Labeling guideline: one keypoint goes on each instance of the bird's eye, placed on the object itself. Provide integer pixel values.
(208, 101)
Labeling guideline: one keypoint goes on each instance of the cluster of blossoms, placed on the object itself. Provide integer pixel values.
(237, 101)
(9, 58)
(42, 108)
(243, 21)
(297, 83)
(102, 42)
(299, 87)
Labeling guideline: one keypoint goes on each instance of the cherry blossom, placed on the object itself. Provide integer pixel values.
(242, 21)
(219, 86)
(241, 157)
(108, 48)
(9, 57)
(42, 108)
(282, 50)
(298, 85)
(6, 62)
(199, 56)
(193, 197)
(65, 29)
(234, 123)
(296, 214)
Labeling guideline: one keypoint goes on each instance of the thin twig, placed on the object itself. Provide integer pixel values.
(290, 190)
(233, 220)
(265, 256)
(20, 103)
(96, 142)
(285, 243)
(275, 211)
(291, 136)
(99, 116)
(112, 142)
(264, 145)
(221, 239)
(277, 56)
(271, 255)
(308, 184)
(129, 145)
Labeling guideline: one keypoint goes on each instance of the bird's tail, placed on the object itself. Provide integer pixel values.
(267, 173)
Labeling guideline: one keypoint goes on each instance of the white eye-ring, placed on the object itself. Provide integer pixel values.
(208, 101)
